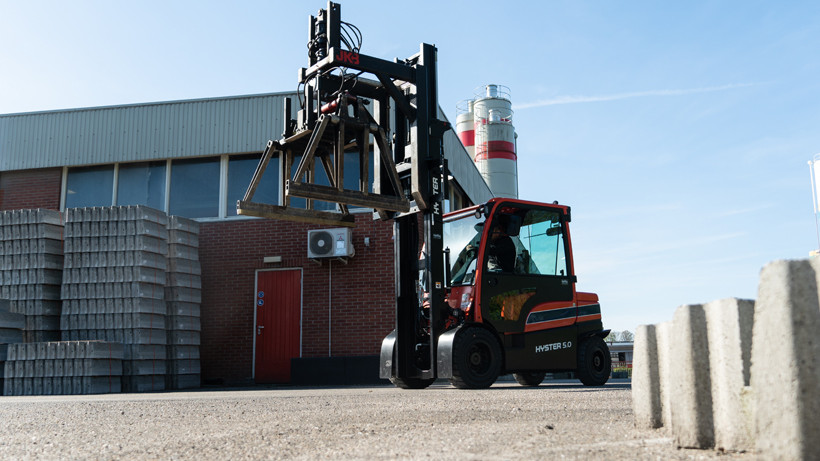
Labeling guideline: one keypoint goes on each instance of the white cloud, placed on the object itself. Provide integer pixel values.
(630, 95)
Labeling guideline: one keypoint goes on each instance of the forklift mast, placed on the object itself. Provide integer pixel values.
(402, 131)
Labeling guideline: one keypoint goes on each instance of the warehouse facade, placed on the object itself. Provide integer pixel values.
(265, 303)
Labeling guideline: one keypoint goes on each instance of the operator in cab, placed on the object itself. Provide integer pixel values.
(500, 248)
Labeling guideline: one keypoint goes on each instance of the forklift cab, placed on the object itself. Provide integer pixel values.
(513, 256)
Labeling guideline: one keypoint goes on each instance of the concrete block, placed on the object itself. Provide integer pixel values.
(143, 367)
(145, 213)
(729, 330)
(68, 368)
(28, 369)
(46, 261)
(184, 280)
(19, 386)
(184, 367)
(786, 361)
(77, 385)
(144, 305)
(4, 352)
(646, 392)
(176, 352)
(68, 387)
(147, 259)
(182, 252)
(181, 237)
(144, 336)
(48, 385)
(183, 309)
(101, 367)
(139, 320)
(11, 335)
(101, 384)
(8, 386)
(144, 274)
(144, 352)
(180, 322)
(151, 383)
(192, 381)
(9, 320)
(692, 423)
(147, 290)
(183, 338)
(183, 294)
(37, 386)
(183, 224)
(103, 349)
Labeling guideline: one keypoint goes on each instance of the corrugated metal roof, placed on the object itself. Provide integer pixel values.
(174, 129)
(140, 132)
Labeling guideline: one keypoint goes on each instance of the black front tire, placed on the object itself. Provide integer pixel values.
(594, 362)
(476, 359)
(530, 378)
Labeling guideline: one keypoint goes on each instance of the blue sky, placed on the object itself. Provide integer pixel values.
(678, 132)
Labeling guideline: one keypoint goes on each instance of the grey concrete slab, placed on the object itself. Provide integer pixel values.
(11, 335)
(101, 385)
(180, 381)
(176, 279)
(151, 383)
(183, 309)
(692, 423)
(10, 320)
(729, 330)
(144, 290)
(143, 320)
(181, 237)
(145, 352)
(183, 294)
(100, 367)
(144, 367)
(182, 252)
(182, 338)
(144, 336)
(147, 259)
(646, 392)
(184, 367)
(183, 352)
(183, 224)
(182, 322)
(785, 372)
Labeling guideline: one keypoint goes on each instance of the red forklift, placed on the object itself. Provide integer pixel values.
(494, 289)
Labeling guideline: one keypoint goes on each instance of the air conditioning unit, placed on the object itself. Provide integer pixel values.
(330, 243)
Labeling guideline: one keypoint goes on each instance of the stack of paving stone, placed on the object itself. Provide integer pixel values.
(31, 263)
(114, 287)
(67, 367)
(183, 293)
(11, 331)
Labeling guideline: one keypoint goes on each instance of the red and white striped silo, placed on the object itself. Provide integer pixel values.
(465, 127)
(493, 139)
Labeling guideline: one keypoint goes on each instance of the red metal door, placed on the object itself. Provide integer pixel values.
(278, 324)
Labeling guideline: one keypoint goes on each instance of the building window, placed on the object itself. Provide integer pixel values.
(142, 184)
(195, 188)
(89, 186)
(240, 172)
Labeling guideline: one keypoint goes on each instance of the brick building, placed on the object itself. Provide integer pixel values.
(194, 159)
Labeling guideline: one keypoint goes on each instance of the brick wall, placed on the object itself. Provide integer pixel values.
(359, 294)
(30, 189)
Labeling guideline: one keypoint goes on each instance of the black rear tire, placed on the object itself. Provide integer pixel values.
(530, 378)
(412, 383)
(594, 362)
(476, 359)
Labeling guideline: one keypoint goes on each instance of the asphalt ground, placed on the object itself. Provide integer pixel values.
(560, 420)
